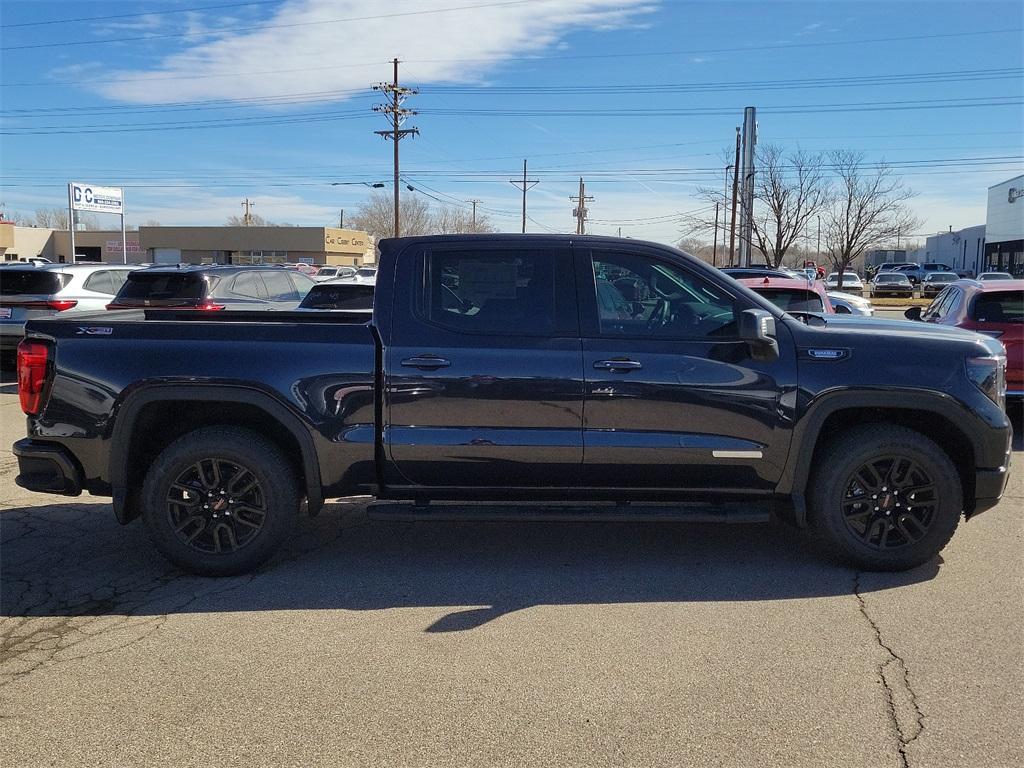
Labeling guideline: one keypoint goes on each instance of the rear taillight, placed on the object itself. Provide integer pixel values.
(210, 306)
(57, 304)
(33, 366)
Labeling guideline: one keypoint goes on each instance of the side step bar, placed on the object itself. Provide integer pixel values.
(745, 512)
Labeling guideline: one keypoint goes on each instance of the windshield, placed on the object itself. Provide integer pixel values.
(154, 286)
(941, 278)
(890, 278)
(367, 272)
(351, 296)
(793, 300)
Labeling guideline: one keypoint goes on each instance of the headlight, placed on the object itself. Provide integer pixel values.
(989, 375)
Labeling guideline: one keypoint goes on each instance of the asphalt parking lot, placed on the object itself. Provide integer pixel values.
(437, 644)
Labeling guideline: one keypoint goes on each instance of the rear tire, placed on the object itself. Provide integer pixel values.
(884, 498)
(220, 500)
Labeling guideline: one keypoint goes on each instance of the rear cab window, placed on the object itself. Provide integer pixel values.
(352, 296)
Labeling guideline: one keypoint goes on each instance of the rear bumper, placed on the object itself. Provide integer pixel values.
(47, 468)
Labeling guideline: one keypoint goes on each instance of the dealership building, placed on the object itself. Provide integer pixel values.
(1004, 227)
(193, 245)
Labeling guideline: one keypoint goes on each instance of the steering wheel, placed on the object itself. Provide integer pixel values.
(658, 315)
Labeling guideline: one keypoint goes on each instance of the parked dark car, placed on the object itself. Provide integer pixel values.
(995, 308)
(489, 372)
(935, 282)
(891, 284)
(212, 288)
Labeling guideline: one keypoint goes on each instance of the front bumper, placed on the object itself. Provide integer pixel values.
(47, 468)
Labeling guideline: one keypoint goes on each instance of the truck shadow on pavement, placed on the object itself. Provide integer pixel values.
(72, 560)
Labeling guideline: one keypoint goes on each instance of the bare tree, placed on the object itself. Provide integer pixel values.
(255, 220)
(17, 218)
(57, 218)
(376, 216)
(702, 250)
(450, 220)
(790, 190)
(869, 209)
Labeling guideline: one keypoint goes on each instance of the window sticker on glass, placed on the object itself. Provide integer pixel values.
(480, 281)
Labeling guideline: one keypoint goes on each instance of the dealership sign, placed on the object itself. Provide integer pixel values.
(89, 197)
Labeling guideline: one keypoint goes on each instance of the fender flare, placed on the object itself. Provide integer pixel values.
(128, 411)
(807, 431)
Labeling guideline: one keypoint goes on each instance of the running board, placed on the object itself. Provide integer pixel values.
(744, 512)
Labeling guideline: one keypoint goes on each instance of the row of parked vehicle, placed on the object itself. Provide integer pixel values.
(46, 290)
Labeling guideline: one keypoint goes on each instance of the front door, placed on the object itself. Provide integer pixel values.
(484, 384)
(673, 399)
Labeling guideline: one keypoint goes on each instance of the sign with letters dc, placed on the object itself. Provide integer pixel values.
(89, 197)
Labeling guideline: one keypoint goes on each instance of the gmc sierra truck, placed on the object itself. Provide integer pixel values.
(605, 378)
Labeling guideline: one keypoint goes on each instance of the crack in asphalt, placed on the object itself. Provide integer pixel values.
(895, 680)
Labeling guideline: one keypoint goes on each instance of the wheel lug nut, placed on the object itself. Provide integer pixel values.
(874, 496)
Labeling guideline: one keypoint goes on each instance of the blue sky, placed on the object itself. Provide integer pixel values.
(193, 110)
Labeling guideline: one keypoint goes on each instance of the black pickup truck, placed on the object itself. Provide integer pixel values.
(607, 378)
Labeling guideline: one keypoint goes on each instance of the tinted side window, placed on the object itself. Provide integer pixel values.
(510, 293)
(117, 278)
(249, 285)
(638, 295)
(279, 287)
(100, 282)
(999, 307)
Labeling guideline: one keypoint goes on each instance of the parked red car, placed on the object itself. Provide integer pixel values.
(995, 308)
(790, 294)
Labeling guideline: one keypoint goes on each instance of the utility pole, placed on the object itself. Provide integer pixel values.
(735, 192)
(747, 204)
(341, 219)
(580, 211)
(714, 248)
(247, 217)
(397, 114)
(817, 252)
(526, 184)
(474, 202)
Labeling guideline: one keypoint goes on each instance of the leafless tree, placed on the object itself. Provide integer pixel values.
(377, 216)
(255, 220)
(702, 250)
(789, 191)
(450, 220)
(869, 209)
(57, 218)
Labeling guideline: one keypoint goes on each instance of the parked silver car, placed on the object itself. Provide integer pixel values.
(855, 305)
(335, 273)
(37, 291)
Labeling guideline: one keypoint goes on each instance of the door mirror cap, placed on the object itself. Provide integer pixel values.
(842, 309)
(914, 313)
(757, 328)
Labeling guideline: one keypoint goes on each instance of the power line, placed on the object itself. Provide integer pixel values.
(264, 27)
(504, 59)
(51, 22)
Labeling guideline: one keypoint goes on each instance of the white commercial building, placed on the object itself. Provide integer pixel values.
(1004, 233)
(963, 250)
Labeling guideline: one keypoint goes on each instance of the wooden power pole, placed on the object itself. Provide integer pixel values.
(397, 114)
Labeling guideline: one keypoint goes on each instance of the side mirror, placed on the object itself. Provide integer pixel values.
(842, 309)
(757, 328)
(914, 313)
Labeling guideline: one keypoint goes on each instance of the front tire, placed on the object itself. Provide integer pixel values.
(220, 500)
(884, 498)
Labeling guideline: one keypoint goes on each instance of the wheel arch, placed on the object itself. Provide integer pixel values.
(174, 410)
(934, 415)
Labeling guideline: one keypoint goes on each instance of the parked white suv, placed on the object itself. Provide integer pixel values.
(36, 291)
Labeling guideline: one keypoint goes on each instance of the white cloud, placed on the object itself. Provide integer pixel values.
(309, 50)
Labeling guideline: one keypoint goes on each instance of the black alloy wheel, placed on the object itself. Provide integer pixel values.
(216, 506)
(889, 502)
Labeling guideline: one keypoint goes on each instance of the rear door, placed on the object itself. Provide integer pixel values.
(673, 399)
(483, 373)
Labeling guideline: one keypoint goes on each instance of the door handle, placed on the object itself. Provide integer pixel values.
(617, 365)
(427, 362)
